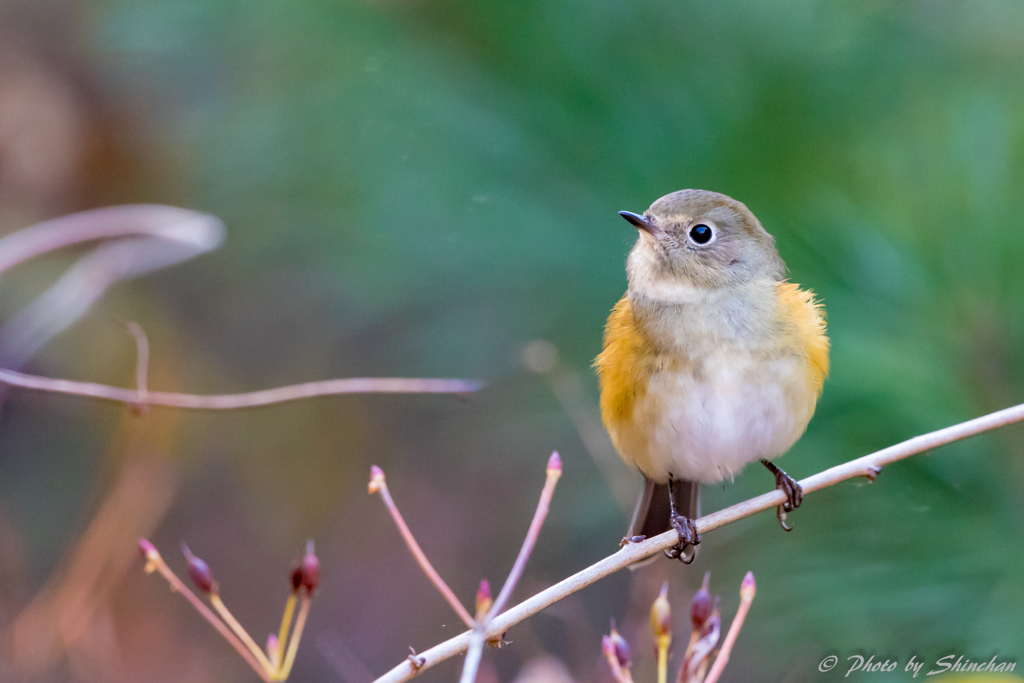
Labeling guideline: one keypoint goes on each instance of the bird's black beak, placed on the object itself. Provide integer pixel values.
(640, 222)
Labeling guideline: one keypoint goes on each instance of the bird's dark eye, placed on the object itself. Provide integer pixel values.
(701, 234)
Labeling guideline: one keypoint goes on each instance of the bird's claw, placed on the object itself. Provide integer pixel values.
(684, 550)
(789, 486)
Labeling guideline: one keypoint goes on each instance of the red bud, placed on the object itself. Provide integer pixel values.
(700, 608)
(620, 648)
(310, 569)
(199, 572)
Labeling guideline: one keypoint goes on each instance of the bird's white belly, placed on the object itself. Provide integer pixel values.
(734, 411)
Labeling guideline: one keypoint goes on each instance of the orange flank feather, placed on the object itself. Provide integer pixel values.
(808, 329)
(621, 369)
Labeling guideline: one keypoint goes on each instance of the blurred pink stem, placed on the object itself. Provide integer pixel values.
(746, 597)
(200, 231)
(330, 387)
(378, 485)
(554, 471)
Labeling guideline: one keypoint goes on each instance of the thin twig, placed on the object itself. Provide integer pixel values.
(141, 357)
(554, 471)
(379, 485)
(330, 387)
(286, 622)
(747, 591)
(472, 664)
(240, 631)
(866, 466)
(293, 644)
(473, 655)
(154, 561)
(141, 361)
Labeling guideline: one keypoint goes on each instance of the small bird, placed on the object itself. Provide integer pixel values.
(711, 360)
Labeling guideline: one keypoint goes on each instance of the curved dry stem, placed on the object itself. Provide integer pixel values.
(135, 240)
(380, 486)
(252, 399)
(866, 466)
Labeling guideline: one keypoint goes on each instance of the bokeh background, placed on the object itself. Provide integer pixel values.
(424, 188)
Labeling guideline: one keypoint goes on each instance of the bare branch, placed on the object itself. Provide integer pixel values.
(379, 485)
(554, 471)
(866, 466)
(252, 399)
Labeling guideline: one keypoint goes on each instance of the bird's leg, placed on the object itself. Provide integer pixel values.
(789, 486)
(687, 530)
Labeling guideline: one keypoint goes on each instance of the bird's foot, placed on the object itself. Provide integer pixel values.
(685, 550)
(789, 486)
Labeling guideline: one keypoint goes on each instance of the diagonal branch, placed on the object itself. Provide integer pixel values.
(554, 471)
(866, 466)
(379, 485)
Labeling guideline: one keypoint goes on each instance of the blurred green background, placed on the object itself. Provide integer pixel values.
(422, 189)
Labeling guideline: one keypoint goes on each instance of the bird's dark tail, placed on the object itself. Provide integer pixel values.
(652, 513)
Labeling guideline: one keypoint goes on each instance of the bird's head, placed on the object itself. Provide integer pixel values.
(695, 241)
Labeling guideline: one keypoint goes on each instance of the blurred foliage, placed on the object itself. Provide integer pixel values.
(421, 189)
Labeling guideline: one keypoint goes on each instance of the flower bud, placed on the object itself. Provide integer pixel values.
(748, 588)
(619, 648)
(608, 647)
(147, 550)
(376, 479)
(199, 572)
(149, 554)
(700, 608)
(661, 614)
(483, 599)
(555, 463)
(310, 570)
